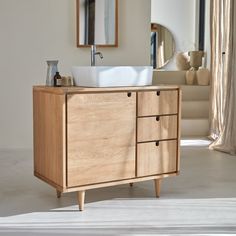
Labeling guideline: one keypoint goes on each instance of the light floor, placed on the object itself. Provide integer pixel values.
(202, 200)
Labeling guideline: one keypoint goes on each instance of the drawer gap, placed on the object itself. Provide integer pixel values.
(161, 140)
(174, 114)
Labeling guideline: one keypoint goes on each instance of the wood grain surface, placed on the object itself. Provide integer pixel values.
(157, 128)
(49, 136)
(101, 138)
(149, 103)
(153, 160)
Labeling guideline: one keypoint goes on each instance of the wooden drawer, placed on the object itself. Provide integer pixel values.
(153, 160)
(157, 103)
(157, 128)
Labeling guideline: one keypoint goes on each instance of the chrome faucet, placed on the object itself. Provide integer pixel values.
(93, 55)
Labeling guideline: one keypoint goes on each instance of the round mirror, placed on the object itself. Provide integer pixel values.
(162, 46)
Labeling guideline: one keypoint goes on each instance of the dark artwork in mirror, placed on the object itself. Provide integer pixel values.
(162, 46)
(97, 23)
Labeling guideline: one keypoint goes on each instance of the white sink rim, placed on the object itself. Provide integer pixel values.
(112, 76)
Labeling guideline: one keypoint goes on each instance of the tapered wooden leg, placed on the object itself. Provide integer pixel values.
(58, 194)
(157, 187)
(81, 196)
(131, 184)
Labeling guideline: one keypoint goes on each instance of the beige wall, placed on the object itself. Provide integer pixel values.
(32, 31)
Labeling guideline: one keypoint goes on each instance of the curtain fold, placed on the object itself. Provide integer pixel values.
(223, 67)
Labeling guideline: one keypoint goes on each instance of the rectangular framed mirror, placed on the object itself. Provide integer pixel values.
(97, 23)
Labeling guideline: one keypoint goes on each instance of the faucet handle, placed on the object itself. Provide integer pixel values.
(100, 55)
(94, 53)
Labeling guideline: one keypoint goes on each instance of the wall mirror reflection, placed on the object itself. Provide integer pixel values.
(162, 46)
(97, 23)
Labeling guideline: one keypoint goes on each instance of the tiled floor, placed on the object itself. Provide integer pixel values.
(202, 200)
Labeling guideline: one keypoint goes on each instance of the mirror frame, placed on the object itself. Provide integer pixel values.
(79, 45)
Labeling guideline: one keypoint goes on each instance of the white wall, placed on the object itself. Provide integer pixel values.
(179, 16)
(33, 31)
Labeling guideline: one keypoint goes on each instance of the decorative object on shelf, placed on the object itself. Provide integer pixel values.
(51, 72)
(196, 59)
(197, 74)
(203, 76)
(57, 80)
(182, 61)
(67, 81)
(190, 76)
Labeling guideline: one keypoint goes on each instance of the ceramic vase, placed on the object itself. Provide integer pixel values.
(182, 61)
(190, 77)
(203, 76)
(196, 59)
(51, 71)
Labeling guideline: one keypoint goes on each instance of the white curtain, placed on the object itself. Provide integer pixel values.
(223, 67)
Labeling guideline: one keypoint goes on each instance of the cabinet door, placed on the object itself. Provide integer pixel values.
(100, 138)
(157, 103)
(157, 158)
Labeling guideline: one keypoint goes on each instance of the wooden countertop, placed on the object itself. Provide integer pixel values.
(74, 89)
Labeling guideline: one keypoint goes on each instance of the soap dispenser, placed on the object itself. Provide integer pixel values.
(57, 80)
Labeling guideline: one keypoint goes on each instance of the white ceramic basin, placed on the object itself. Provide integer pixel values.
(112, 76)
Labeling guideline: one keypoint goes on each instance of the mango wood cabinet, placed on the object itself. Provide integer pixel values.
(87, 138)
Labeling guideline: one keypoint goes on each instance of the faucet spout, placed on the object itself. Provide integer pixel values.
(93, 55)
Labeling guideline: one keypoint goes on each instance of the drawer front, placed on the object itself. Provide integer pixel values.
(154, 160)
(157, 103)
(157, 128)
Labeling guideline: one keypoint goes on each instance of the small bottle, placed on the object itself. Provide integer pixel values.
(57, 80)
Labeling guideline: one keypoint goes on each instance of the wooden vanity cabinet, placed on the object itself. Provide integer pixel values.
(88, 138)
